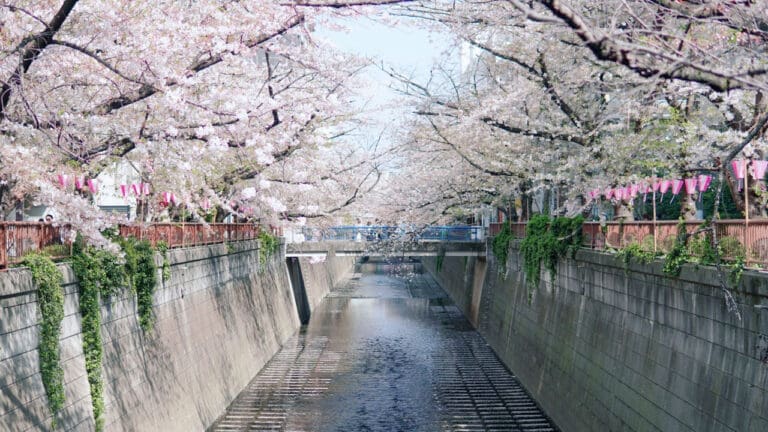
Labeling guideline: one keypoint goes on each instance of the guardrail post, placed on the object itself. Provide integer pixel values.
(3, 247)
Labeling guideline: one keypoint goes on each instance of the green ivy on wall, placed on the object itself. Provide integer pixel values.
(86, 264)
(546, 240)
(500, 245)
(638, 252)
(141, 274)
(162, 247)
(50, 300)
(144, 282)
(102, 274)
(269, 246)
(674, 260)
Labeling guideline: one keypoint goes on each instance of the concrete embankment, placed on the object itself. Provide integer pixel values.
(602, 347)
(219, 319)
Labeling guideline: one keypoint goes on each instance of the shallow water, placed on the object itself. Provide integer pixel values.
(386, 352)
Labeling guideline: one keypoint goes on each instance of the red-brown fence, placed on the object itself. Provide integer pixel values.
(182, 235)
(19, 238)
(734, 235)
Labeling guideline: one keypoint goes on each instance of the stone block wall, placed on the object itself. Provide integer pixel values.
(219, 319)
(602, 347)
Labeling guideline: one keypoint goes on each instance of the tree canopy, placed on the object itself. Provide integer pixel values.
(234, 105)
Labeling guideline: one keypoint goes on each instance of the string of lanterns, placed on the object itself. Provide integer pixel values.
(139, 190)
(757, 169)
(81, 183)
(659, 187)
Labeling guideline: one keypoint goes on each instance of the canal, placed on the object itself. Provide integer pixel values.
(386, 352)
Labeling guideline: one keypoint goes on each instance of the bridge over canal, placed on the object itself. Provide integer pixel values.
(388, 241)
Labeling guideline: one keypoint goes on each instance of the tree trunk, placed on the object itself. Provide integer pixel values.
(623, 212)
(687, 206)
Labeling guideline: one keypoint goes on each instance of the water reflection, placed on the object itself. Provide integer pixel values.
(386, 352)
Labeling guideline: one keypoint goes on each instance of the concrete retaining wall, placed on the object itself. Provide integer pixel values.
(321, 277)
(219, 320)
(607, 349)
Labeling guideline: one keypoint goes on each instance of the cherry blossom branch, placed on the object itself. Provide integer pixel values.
(34, 48)
(199, 66)
(552, 136)
(466, 158)
(635, 57)
(95, 57)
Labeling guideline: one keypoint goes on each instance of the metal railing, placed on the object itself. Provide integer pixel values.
(734, 235)
(371, 233)
(20, 238)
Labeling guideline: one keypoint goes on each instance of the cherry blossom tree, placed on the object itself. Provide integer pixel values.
(211, 100)
(593, 94)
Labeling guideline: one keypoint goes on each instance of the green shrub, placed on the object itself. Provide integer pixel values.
(646, 244)
(666, 244)
(636, 251)
(731, 248)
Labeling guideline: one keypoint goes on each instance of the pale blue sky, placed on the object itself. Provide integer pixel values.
(406, 48)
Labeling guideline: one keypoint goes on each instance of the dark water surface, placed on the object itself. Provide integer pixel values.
(387, 352)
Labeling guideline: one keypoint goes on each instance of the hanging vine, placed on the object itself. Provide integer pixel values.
(144, 282)
(162, 247)
(500, 245)
(545, 242)
(50, 300)
(269, 246)
(91, 276)
(674, 260)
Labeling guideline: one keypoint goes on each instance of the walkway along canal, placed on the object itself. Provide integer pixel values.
(388, 351)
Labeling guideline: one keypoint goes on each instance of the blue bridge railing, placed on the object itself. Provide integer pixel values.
(370, 233)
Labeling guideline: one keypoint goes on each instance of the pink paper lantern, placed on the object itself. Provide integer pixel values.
(739, 168)
(690, 185)
(79, 183)
(123, 190)
(206, 204)
(704, 181)
(135, 189)
(758, 169)
(173, 198)
(633, 189)
(145, 188)
(63, 180)
(656, 186)
(664, 186)
(609, 193)
(166, 198)
(93, 187)
(677, 186)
